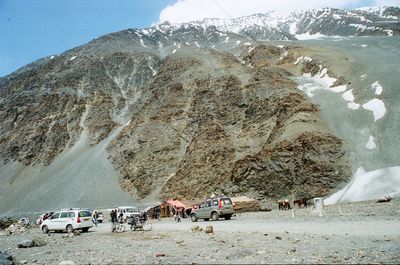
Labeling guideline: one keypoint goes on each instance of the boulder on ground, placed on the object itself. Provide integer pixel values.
(6, 259)
(5, 222)
(209, 229)
(385, 199)
(38, 241)
(27, 243)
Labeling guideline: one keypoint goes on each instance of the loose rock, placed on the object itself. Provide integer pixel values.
(38, 241)
(16, 229)
(28, 243)
(195, 228)
(5, 222)
(209, 229)
(6, 258)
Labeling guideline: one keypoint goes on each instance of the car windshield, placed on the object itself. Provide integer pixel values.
(226, 201)
(84, 214)
(131, 210)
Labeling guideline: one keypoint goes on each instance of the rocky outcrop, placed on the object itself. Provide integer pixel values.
(176, 120)
(223, 131)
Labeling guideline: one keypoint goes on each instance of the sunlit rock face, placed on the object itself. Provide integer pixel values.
(170, 111)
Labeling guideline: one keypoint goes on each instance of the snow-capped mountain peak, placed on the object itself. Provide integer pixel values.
(319, 22)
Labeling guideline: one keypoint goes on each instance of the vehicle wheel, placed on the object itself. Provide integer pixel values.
(228, 217)
(214, 216)
(84, 230)
(146, 226)
(120, 228)
(70, 229)
(206, 219)
(193, 217)
(45, 229)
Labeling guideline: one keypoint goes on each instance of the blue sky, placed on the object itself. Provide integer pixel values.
(32, 29)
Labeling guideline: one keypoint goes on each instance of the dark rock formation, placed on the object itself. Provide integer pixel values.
(181, 121)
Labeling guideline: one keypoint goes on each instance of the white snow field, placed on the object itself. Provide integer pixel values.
(365, 115)
(369, 185)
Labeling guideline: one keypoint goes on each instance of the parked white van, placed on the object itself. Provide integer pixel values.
(128, 211)
(68, 220)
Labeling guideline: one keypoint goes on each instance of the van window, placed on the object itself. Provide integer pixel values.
(64, 215)
(55, 216)
(208, 203)
(71, 214)
(84, 214)
(226, 201)
(215, 202)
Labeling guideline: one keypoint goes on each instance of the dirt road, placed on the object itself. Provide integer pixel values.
(362, 233)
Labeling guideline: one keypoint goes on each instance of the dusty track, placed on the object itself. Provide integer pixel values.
(364, 233)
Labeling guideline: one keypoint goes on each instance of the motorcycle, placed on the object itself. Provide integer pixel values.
(118, 227)
(139, 223)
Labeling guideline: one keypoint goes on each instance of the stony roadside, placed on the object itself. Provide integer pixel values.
(362, 233)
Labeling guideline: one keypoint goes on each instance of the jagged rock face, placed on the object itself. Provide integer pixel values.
(46, 104)
(181, 121)
(207, 131)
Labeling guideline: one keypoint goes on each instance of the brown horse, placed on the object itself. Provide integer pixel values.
(302, 203)
(284, 204)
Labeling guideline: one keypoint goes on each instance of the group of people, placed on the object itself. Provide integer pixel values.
(43, 217)
(114, 216)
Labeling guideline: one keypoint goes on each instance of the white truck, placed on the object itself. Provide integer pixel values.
(127, 211)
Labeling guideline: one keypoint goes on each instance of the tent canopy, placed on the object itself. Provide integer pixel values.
(177, 204)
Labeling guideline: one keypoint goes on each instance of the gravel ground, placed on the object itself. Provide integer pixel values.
(364, 232)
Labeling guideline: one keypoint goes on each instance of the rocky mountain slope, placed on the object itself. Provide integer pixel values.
(169, 111)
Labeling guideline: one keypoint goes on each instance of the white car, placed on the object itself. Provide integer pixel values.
(24, 221)
(68, 220)
(128, 211)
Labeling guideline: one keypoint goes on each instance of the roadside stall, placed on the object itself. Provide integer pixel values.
(169, 207)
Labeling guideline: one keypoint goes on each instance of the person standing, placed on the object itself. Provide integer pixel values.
(94, 218)
(178, 215)
(112, 216)
(158, 212)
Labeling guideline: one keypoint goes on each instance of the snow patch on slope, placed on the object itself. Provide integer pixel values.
(369, 185)
(320, 81)
(377, 107)
(348, 96)
(370, 144)
(377, 87)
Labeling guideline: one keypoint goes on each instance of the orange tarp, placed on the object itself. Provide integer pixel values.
(177, 204)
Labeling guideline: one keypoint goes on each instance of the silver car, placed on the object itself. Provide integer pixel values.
(215, 208)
